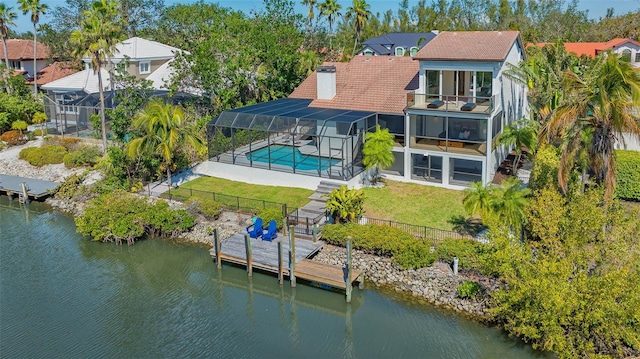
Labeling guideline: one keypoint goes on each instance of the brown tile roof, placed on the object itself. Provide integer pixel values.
(592, 48)
(20, 49)
(469, 46)
(55, 71)
(376, 83)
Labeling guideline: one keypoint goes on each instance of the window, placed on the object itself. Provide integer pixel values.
(426, 168)
(399, 51)
(368, 52)
(463, 172)
(433, 82)
(145, 67)
(15, 65)
(626, 55)
(413, 50)
(64, 106)
(638, 56)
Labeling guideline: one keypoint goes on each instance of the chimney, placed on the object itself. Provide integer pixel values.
(326, 82)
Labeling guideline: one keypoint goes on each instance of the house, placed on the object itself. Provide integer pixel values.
(21, 56)
(463, 102)
(630, 49)
(444, 107)
(396, 44)
(53, 72)
(69, 101)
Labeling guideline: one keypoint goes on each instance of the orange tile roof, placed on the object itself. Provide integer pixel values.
(376, 83)
(55, 71)
(19, 49)
(469, 46)
(592, 48)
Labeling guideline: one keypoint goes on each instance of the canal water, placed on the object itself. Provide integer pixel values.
(64, 296)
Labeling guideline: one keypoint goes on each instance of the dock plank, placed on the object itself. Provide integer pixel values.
(35, 187)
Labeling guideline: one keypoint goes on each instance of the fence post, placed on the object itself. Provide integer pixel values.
(307, 225)
(238, 202)
(292, 257)
(349, 268)
(190, 192)
(263, 204)
(314, 231)
(216, 242)
(285, 227)
(284, 209)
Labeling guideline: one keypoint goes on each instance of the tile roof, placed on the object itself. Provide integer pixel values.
(469, 46)
(55, 71)
(592, 48)
(19, 49)
(371, 83)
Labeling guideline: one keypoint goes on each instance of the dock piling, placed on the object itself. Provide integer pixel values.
(349, 268)
(292, 257)
(216, 244)
(280, 269)
(247, 245)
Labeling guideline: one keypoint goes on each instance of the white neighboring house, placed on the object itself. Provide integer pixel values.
(463, 102)
(70, 100)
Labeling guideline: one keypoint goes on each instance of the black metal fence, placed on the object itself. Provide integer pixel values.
(311, 226)
(233, 203)
(423, 232)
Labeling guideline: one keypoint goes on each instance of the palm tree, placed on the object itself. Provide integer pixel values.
(330, 9)
(7, 15)
(36, 8)
(477, 199)
(309, 60)
(100, 31)
(359, 12)
(518, 135)
(377, 151)
(165, 132)
(509, 202)
(605, 101)
(311, 4)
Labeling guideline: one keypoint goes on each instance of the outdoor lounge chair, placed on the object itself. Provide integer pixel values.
(257, 229)
(270, 234)
(469, 106)
(435, 104)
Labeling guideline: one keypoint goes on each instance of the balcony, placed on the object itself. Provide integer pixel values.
(451, 103)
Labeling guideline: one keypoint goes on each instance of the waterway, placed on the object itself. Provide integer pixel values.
(64, 296)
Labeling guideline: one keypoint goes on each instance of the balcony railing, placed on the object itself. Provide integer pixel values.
(436, 102)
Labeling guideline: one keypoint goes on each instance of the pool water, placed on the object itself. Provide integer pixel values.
(288, 156)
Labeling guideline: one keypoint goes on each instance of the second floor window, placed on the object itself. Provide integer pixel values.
(638, 56)
(15, 65)
(145, 67)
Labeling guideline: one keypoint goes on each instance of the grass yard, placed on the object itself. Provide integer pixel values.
(293, 197)
(413, 203)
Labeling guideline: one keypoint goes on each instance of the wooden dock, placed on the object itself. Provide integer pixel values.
(276, 258)
(25, 188)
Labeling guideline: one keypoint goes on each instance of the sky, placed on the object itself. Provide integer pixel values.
(597, 8)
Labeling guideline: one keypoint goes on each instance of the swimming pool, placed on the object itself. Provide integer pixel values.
(287, 156)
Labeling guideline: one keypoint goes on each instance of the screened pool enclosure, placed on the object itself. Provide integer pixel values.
(289, 136)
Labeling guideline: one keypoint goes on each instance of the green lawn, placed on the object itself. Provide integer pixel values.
(414, 203)
(293, 197)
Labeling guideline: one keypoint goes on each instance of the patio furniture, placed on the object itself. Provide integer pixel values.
(451, 144)
(257, 229)
(270, 234)
(469, 106)
(435, 104)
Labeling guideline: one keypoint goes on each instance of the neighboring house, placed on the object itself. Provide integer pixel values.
(73, 98)
(628, 48)
(53, 72)
(21, 56)
(444, 107)
(463, 103)
(396, 44)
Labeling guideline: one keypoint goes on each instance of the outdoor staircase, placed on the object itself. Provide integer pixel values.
(316, 207)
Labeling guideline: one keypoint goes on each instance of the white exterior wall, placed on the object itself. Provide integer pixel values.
(635, 49)
(27, 65)
(631, 143)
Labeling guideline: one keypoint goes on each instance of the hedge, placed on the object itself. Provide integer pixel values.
(628, 175)
(45, 155)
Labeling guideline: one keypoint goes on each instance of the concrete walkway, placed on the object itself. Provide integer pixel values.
(155, 189)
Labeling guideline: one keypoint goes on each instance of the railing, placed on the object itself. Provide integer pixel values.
(458, 103)
(235, 203)
(423, 232)
(311, 226)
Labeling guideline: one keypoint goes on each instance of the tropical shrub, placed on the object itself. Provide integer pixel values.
(13, 138)
(545, 167)
(415, 254)
(268, 214)
(39, 132)
(468, 251)
(468, 289)
(628, 175)
(70, 143)
(377, 151)
(209, 208)
(120, 216)
(86, 156)
(44, 155)
(346, 205)
(19, 125)
(70, 187)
